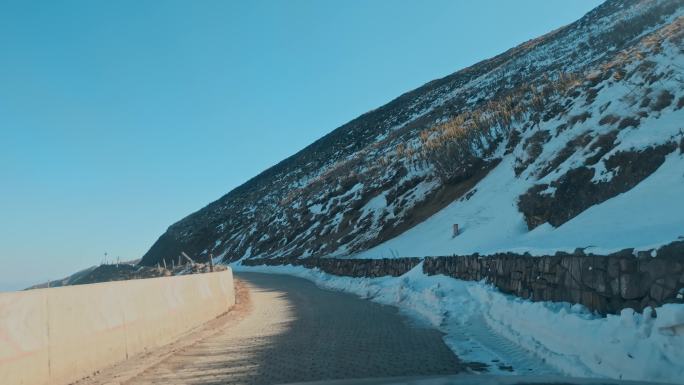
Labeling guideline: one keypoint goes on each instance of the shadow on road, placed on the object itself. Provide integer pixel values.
(333, 335)
(297, 332)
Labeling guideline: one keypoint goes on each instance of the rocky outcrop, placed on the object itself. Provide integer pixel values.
(577, 190)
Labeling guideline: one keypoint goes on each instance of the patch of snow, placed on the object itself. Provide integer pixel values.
(374, 207)
(317, 209)
(248, 253)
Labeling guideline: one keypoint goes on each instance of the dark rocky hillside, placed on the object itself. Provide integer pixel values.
(389, 169)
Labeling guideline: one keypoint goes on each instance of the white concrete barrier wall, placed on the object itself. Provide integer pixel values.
(59, 335)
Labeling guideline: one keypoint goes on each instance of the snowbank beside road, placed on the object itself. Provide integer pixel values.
(482, 324)
(627, 346)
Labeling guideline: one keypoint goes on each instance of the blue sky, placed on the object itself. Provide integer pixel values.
(117, 118)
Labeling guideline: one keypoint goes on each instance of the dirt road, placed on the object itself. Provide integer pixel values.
(285, 329)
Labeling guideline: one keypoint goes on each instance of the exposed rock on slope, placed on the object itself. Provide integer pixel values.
(576, 190)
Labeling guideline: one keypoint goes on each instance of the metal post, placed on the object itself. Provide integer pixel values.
(188, 258)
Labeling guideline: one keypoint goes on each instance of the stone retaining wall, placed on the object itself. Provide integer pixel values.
(604, 283)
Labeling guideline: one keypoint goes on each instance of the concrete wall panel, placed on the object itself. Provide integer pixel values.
(23, 338)
(56, 336)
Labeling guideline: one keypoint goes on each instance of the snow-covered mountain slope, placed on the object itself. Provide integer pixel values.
(649, 214)
(538, 148)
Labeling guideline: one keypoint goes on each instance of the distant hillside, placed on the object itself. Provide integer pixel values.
(573, 139)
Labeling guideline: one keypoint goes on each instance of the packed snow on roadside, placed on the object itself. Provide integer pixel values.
(484, 325)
